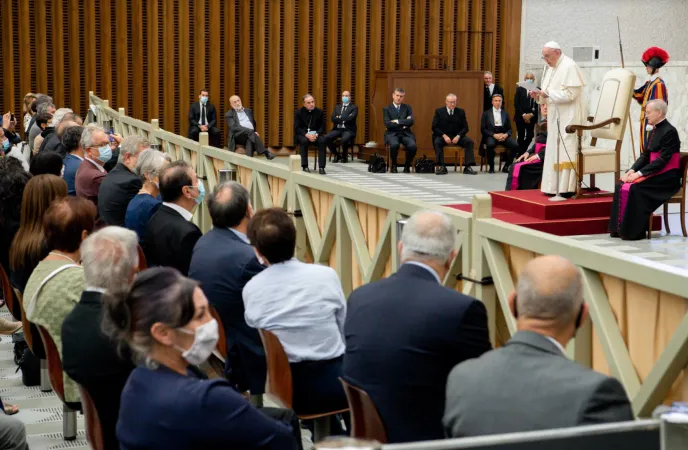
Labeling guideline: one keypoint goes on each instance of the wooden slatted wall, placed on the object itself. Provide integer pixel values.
(153, 56)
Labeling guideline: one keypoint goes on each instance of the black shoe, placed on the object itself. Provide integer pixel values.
(441, 170)
(345, 159)
(505, 169)
(407, 170)
(306, 169)
(394, 169)
(491, 170)
(469, 171)
(336, 159)
(322, 171)
(269, 155)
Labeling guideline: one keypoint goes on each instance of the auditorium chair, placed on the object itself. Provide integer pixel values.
(279, 386)
(33, 341)
(608, 122)
(57, 382)
(401, 152)
(366, 422)
(459, 155)
(7, 291)
(94, 430)
(500, 151)
(679, 197)
(143, 264)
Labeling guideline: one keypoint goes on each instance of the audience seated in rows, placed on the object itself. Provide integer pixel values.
(121, 184)
(57, 282)
(71, 141)
(90, 358)
(97, 151)
(305, 307)
(28, 247)
(46, 163)
(146, 202)
(170, 234)
(53, 142)
(167, 402)
(223, 262)
(530, 384)
(405, 333)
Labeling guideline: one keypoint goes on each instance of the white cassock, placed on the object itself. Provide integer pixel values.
(564, 86)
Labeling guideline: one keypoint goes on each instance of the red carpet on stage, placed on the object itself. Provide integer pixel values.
(532, 209)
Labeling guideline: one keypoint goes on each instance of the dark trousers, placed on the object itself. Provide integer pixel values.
(251, 141)
(409, 142)
(525, 134)
(303, 148)
(317, 388)
(346, 136)
(213, 135)
(465, 142)
(511, 145)
(289, 417)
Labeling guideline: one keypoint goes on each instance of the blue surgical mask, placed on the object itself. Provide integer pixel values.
(105, 153)
(201, 193)
(204, 100)
(345, 100)
(6, 144)
(530, 80)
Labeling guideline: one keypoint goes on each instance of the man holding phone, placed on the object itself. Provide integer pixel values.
(9, 122)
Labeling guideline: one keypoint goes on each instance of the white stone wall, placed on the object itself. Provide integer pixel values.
(593, 23)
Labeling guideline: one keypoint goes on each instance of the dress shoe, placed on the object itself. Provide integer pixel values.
(345, 159)
(441, 170)
(269, 155)
(407, 170)
(394, 169)
(505, 169)
(306, 169)
(491, 170)
(337, 159)
(322, 171)
(468, 170)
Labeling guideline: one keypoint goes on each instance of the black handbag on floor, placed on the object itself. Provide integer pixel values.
(377, 164)
(30, 366)
(425, 165)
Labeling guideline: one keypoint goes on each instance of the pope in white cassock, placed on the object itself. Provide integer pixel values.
(562, 91)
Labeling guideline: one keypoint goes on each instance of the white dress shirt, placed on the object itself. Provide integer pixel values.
(426, 267)
(491, 88)
(555, 342)
(244, 121)
(100, 167)
(497, 113)
(303, 305)
(182, 211)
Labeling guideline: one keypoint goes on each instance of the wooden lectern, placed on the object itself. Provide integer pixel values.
(425, 92)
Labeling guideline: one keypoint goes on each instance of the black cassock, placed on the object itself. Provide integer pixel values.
(661, 179)
(525, 175)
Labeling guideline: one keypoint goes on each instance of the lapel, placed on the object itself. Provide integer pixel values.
(490, 116)
(348, 110)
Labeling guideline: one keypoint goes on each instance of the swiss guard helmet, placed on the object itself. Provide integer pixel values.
(655, 57)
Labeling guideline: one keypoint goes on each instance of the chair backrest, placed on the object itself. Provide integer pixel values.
(366, 422)
(94, 430)
(616, 93)
(222, 341)
(54, 362)
(31, 336)
(279, 372)
(684, 170)
(7, 291)
(143, 264)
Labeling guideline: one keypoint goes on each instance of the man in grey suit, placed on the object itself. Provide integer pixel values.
(530, 384)
(241, 127)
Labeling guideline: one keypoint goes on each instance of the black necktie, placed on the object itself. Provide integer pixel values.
(451, 112)
(203, 116)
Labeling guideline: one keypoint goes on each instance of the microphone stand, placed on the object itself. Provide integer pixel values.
(558, 197)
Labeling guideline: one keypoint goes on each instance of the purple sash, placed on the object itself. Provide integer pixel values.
(517, 167)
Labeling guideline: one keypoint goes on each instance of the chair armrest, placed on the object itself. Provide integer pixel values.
(574, 128)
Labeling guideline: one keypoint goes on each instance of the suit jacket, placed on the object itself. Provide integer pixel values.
(442, 123)
(349, 119)
(529, 385)
(487, 97)
(87, 181)
(116, 191)
(305, 120)
(71, 165)
(487, 123)
(223, 264)
(53, 143)
(91, 359)
(195, 115)
(233, 125)
(523, 104)
(428, 329)
(170, 240)
(390, 113)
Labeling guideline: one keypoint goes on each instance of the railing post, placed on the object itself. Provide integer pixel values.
(482, 289)
(204, 215)
(122, 113)
(153, 138)
(301, 236)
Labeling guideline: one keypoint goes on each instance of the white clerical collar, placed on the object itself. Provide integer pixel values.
(182, 211)
(426, 267)
(557, 343)
(496, 110)
(101, 168)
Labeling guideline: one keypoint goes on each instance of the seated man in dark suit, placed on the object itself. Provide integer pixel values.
(241, 128)
(449, 127)
(202, 117)
(526, 115)
(496, 129)
(170, 235)
(110, 261)
(223, 262)
(530, 384)
(120, 185)
(309, 129)
(398, 118)
(427, 330)
(344, 121)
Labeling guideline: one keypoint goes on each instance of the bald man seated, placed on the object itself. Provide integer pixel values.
(529, 384)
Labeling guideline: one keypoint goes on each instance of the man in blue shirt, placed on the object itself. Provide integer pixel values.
(71, 141)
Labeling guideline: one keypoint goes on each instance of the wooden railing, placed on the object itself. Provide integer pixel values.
(639, 326)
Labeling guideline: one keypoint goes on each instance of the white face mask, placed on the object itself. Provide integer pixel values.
(205, 340)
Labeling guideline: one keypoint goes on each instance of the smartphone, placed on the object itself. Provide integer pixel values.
(112, 131)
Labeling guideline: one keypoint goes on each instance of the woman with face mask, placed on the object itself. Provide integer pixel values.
(168, 403)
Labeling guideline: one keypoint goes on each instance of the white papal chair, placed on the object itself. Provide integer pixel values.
(609, 122)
